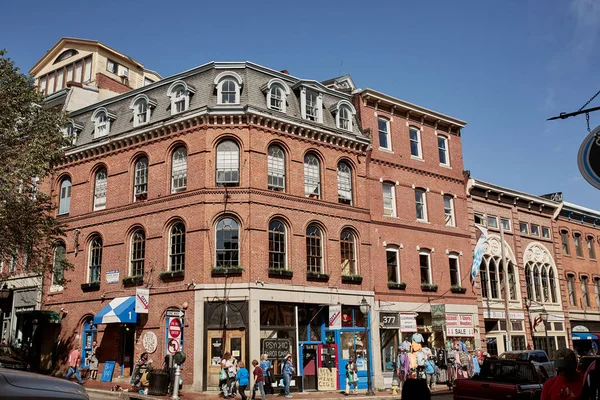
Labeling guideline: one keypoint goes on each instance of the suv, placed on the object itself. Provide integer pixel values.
(539, 358)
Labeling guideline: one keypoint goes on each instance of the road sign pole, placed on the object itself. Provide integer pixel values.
(176, 383)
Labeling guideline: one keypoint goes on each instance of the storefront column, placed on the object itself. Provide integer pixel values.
(199, 345)
(254, 328)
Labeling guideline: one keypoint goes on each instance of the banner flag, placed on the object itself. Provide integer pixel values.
(478, 254)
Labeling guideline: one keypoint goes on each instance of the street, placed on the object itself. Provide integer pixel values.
(445, 396)
(98, 396)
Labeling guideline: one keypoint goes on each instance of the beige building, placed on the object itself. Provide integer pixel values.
(75, 73)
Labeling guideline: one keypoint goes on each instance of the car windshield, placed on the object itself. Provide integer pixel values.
(514, 356)
(6, 351)
(508, 372)
(584, 363)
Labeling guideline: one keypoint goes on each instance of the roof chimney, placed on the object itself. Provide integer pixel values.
(284, 71)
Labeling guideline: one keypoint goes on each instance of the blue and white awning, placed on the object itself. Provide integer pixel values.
(119, 310)
(584, 336)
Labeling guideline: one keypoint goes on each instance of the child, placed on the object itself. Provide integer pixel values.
(430, 371)
(242, 379)
(259, 380)
(351, 377)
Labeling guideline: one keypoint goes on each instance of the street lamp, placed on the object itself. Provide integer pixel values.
(365, 308)
(4, 292)
(544, 317)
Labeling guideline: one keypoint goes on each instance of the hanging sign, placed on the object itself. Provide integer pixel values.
(112, 276)
(466, 320)
(588, 158)
(142, 301)
(335, 317)
(408, 323)
(452, 320)
(460, 332)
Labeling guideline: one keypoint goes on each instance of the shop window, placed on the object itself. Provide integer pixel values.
(310, 320)
(87, 340)
(389, 343)
(277, 315)
(354, 344)
(352, 317)
(492, 346)
(518, 342)
(227, 243)
(348, 252)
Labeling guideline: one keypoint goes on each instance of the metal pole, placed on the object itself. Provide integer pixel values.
(368, 355)
(547, 343)
(506, 289)
(176, 383)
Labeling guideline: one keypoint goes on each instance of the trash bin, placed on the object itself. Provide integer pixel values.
(159, 383)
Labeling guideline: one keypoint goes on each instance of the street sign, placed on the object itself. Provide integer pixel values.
(588, 158)
(173, 346)
(176, 313)
(174, 328)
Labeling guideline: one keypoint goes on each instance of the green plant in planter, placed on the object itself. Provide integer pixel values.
(395, 285)
(429, 287)
(458, 289)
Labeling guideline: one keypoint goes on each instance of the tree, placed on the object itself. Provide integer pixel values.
(31, 141)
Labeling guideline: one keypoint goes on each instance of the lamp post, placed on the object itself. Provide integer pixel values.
(365, 308)
(544, 317)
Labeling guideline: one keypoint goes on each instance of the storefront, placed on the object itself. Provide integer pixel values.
(495, 331)
(586, 337)
(550, 335)
(459, 329)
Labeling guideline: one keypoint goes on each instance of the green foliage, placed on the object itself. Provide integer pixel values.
(31, 142)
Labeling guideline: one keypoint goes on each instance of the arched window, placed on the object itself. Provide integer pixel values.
(138, 253)
(179, 92)
(95, 260)
(552, 284)
(314, 249)
(421, 204)
(584, 291)
(425, 267)
(64, 201)
(58, 267)
(537, 284)
(177, 247)
(277, 92)
(228, 163)
(345, 118)
(415, 142)
(512, 281)
(179, 170)
(277, 245)
(312, 176)
(141, 113)
(100, 183)
(227, 243)
(493, 271)
(545, 293)
(443, 150)
(344, 183)
(483, 276)
(228, 88)
(392, 254)
(140, 184)
(454, 266)
(528, 282)
(102, 121)
(276, 168)
(348, 252)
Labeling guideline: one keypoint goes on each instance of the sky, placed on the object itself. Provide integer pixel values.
(502, 66)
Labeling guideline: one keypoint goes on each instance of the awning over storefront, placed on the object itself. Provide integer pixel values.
(584, 336)
(40, 316)
(119, 310)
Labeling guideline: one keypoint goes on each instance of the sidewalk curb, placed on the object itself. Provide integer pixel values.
(125, 395)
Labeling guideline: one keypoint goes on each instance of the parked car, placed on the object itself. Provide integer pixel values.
(538, 357)
(17, 385)
(585, 362)
(502, 379)
(8, 359)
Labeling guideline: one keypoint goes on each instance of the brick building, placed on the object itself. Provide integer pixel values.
(421, 249)
(534, 270)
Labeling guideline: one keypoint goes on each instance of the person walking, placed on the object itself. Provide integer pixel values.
(224, 375)
(242, 379)
(288, 371)
(74, 363)
(351, 376)
(568, 383)
(267, 368)
(430, 373)
(259, 380)
(93, 361)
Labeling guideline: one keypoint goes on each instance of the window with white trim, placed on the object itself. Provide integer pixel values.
(348, 252)
(389, 199)
(425, 267)
(177, 247)
(276, 99)
(277, 245)
(228, 163)
(312, 176)
(535, 230)
(577, 241)
(571, 289)
(102, 121)
(505, 222)
(564, 237)
(179, 170)
(179, 92)
(449, 218)
(312, 110)
(443, 150)
(344, 183)
(64, 201)
(138, 253)
(454, 269)
(95, 260)
(492, 221)
(392, 255)
(140, 183)
(229, 92)
(584, 291)
(276, 168)
(314, 249)
(541, 282)
(546, 232)
(142, 109)
(345, 118)
(383, 127)
(524, 228)
(100, 184)
(590, 246)
(421, 205)
(58, 267)
(479, 219)
(597, 291)
(415, 142)
(228, 239)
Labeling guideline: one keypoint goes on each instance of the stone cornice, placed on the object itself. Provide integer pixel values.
(415, 170)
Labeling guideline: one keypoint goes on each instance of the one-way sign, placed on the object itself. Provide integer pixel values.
(176, 313)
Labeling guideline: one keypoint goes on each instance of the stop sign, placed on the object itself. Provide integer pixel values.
(174, 328)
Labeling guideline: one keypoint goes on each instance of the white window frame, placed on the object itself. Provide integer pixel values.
(341, 107)
(276, 167)
(100, 189)
(179, 169)
(90, 254)
(449, 217)
(392, 198)
(71, 132)
(386, 133)
(524, 225)
(64, 196)
(396, 251)
(186, 92)
(585, 293)
(102, 120)
(537, 227)
(226, 163)
(220, 81)
(428, 254)
(310, 172)
(285, 91)
(344, 178)
(137, 181)
(444, 149)
(54, 287)
(455, 256)
(417, 140)
(492, 218)
(136, 106)
(506, 229)
(304, 92)
(423, 202)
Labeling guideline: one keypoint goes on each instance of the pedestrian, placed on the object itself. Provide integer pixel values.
(415, 389)
(138, 370)
(267, 368)
(242, 379)
(93, 361)
(224, 378)
(74, 363)
(259, 380)
(430, 372)
(288, 371)
(351, 376)
(568, 383)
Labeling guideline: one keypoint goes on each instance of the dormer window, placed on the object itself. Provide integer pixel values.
(142, 109)
(180, 93)
(102, 120)
(71, 132)
(311, 105)
(343, 111)
(277, 92)
(228, 88)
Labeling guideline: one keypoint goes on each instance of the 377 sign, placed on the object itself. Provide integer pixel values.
(389, 320)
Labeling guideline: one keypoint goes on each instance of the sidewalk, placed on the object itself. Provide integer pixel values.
(105, 389)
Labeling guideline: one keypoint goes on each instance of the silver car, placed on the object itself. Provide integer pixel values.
(26, 385)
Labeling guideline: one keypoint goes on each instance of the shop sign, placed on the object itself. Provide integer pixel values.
(489, 314)
(19, 310)
(466, 320)
(150, 342)
(276, 349)
(112, 276)
(460, 332)
(389, 320)
(335, 317)
(452, 320)
(408, 323)
(588, 158)
(142, 300)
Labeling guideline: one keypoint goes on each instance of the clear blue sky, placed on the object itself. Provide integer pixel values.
(503, 66)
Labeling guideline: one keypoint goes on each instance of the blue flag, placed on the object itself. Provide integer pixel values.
(478, 254)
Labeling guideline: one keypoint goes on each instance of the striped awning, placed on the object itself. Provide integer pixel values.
(119, 310)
